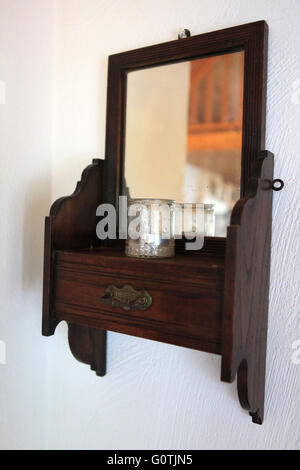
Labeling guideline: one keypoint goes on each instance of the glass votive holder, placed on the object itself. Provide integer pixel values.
(209, 220)
(188, 225)
(150, 228)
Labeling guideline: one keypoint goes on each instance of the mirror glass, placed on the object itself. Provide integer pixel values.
(183, 133)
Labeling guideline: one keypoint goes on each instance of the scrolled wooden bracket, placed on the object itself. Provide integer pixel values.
(72, 225)
(88, 345)
(245, 314)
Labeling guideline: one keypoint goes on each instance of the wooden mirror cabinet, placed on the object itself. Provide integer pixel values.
(214, 299)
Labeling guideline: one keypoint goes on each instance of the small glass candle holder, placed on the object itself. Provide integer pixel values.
(189, 225)
(209, 220)
(151, 224)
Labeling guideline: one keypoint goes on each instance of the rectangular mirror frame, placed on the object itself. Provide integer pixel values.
(251, 37)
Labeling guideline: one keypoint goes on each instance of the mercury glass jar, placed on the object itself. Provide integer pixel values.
(151, 224)
(191, 226)
(209, 220)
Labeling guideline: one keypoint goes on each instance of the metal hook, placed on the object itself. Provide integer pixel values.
(277, 188)
(184, 34)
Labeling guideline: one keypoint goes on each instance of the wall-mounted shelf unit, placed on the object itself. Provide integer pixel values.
(214, 300)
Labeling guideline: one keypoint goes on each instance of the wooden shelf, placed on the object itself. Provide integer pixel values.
(102, 256)
(215, 300)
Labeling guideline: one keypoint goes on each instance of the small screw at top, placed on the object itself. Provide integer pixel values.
(184, 34)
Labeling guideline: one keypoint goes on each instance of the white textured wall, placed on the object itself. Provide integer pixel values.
(154, 395)
(26, 67)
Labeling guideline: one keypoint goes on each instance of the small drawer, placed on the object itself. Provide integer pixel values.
(163, 300)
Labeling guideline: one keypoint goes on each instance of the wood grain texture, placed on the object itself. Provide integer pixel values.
(186, 406)
(246, 292)
(186, 291)
(251, 37)
(88, 345)
(72, 224)
(73, 218)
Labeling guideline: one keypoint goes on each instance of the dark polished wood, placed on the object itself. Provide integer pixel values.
(88, 345)
(191, 305)
(252, 38)
(214, 300)
(187, 293)
(246, 293)
(72, 225)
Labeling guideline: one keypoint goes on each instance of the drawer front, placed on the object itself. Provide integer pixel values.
(153, 307)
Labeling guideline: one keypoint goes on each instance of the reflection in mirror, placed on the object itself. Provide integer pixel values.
(183, 136)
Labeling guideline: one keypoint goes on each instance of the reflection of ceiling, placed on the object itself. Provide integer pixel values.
(226, 163)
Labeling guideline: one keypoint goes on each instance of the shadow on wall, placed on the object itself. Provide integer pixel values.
(210, 365)
(37, 201)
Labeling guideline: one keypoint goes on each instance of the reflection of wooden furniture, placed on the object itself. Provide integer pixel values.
(214, 300)
(215, 111)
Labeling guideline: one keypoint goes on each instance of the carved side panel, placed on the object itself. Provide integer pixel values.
(246, 292)
(72, 225)
(73, 218)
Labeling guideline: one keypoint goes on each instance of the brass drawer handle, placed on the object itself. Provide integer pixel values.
(127, 298)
